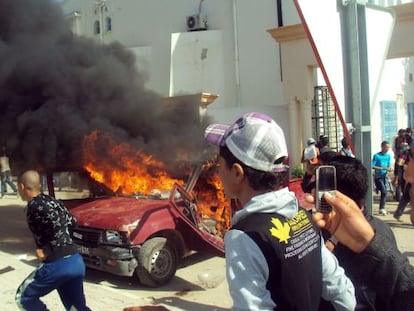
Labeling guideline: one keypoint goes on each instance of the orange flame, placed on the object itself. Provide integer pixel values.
(123, 169)
(213, 203)
(128, 171)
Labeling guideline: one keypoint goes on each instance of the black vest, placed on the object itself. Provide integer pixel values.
(292, 248)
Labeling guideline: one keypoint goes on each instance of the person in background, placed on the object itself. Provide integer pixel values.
(62, 267)
(381, 164)
(409, 135)
(408, 176)
(310, 157)
(398, 142)
(275, 257)
(6, 178)
(352, 180)
(346, 148)
(376, 259)
(323, 159)
(400, 145)
(402, 163)
(323, 144)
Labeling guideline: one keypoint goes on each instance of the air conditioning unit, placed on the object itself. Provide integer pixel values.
(196, 22)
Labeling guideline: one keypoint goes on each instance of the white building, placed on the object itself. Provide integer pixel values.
(237, 49)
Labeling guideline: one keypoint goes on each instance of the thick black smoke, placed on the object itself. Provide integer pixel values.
(56, 87)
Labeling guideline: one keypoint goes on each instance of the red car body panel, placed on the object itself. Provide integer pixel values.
(295, 186)
(143, 218)
(118, 213)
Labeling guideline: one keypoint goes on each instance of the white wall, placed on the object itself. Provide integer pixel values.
(197, 63)
(409, 80)
(250, 58)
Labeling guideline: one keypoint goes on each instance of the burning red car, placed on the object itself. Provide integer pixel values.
(139, 235)
(135, 219)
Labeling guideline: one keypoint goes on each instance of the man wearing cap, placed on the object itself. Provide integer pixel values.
(275, 258)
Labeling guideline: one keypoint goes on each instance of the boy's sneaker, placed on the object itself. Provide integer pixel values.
(383, 212)
(398, 218)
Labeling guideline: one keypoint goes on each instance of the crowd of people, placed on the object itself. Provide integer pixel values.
(396, 178)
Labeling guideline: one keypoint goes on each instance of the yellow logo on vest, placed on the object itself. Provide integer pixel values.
(280, 231)
(298, 224)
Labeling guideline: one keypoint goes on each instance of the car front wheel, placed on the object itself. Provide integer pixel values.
(157, 262)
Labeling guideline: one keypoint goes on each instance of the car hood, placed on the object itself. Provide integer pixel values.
(119, 213)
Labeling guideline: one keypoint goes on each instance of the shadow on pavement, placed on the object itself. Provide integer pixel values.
(124, 282)
(409, 254)
(7, 269)
(187, 305)
(177, 284)
(193, 259)
(397, 224)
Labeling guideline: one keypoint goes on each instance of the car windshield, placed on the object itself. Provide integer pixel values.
(73, 185)
(68, 185)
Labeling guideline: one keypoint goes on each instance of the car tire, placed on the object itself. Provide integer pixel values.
(157, 262)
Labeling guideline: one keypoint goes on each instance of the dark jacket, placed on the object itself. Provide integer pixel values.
(366, 296)
(386, 272)
(51, 225)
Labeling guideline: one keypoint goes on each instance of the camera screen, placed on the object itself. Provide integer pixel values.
(326, 178)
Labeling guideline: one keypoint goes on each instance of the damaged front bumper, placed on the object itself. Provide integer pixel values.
(115, 260)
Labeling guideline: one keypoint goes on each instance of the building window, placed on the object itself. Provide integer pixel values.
(108, 23)
(388, 119)
(96, 28)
